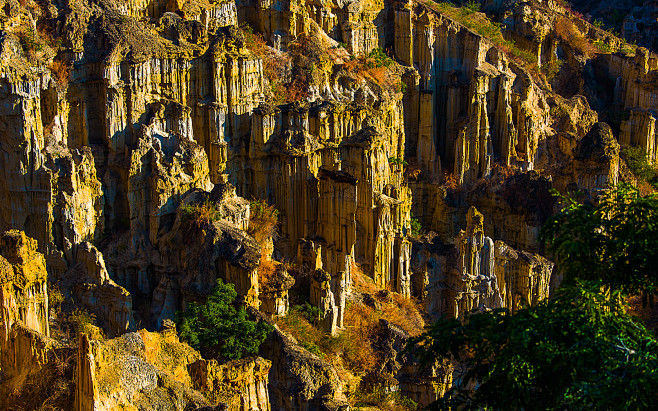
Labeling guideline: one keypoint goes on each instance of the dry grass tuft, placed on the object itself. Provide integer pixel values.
(200, 215)
(451, 182)
(263, 220)
(397, 309)
(266, 270)
(61, 73)
(406, 313)
(567, 31)
(355, 343)
(361, 282)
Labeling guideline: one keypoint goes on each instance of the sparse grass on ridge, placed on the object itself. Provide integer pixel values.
(479, 23)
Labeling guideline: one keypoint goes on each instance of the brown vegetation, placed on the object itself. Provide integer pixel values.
(451, 182)
(413, 171)
(397, 309)
(275, 65)
(567, 31)
(201, 214)
(61, 73)
(353, 352)
(375, 66)
(266, 270)
(263, 220)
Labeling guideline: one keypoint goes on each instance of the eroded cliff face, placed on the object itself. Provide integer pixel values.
(136, 137)
(137, 370)
(477, 273)
(300, 380)
(147, 370)
(24, 285)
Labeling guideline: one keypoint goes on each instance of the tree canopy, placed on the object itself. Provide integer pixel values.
(220, 330)
(580, 350)
(614, 241)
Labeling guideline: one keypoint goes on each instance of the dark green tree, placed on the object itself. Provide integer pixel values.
(220, 330)
(580, 350)
(614, 241)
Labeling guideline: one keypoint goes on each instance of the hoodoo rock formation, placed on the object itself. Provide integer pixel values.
(353, 168)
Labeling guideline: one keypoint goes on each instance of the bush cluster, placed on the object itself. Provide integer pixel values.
(201, 214)
(220, 330)
(638, 162)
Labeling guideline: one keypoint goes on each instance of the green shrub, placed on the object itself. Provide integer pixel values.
(552, 69)
(313, 349)
(472, 6)
(638, 162)
(579, 350)
(612, 241)
(310, 312)
(416, 227)
(397, 161)
(29, 40)
(82, 321)
(378, 58)
(603, 46)
(220, 330)
(200, 215)
(55, 298)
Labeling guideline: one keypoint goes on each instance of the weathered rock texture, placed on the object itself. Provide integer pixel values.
(134, 134)
(241, 384)
(91, 288)
(635, 92)
(473, 105)
(23, 288)
(148, 370)
(478, 273)
(298, 379)
(187, 263)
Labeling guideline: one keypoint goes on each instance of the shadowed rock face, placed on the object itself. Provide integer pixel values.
(598, 144)
(477, 273)
(299, 380)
